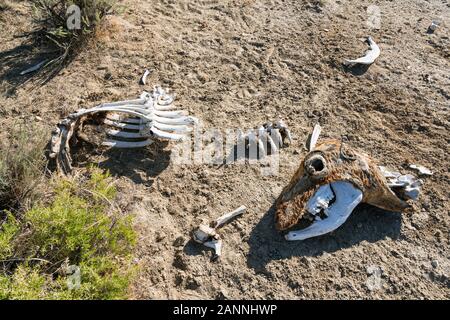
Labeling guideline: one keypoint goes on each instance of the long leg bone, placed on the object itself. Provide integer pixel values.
(208, 236)
(371, 55)
(128, 124)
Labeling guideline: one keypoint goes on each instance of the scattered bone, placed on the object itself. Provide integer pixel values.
(208, 236)
(313, 137)
(144, 77)
(370, 56)
(331, 181)
(422, 170)
(406, 185)
(433, 26)
(126, 124)
(229, 216)
(34, 68)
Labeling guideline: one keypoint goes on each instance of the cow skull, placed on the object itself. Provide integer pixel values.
(330, 182)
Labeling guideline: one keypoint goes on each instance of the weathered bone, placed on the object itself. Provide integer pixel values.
(333, 178)
(347, 198)
(130, 124)
(422, 170)
(208, 236)
(313, 137)
(370, 56)
(144, 77)
(229, 216)
(267, 137)
(34, 68)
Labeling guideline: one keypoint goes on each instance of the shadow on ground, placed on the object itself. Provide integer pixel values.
(139, 165)
(367, 223)
(25, 56)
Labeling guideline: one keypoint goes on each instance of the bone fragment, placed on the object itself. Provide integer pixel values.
(34, 68)
(347, 198)
(370, 56)
(315, 134)
(228, 216)
(422, 170)
(144, 77)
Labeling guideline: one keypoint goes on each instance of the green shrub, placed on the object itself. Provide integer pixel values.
(22, 165)
(81, 228)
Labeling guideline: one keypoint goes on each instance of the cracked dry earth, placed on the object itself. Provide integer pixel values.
(236, 64)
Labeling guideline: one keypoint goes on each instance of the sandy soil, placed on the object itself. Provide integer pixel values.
(237, 64)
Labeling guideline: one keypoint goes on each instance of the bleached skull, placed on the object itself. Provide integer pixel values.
(124, 124)
(330, 182)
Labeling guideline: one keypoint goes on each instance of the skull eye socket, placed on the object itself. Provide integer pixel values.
(316, 166)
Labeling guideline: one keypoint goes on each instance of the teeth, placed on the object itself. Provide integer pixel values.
(347, 198)
(320, 200)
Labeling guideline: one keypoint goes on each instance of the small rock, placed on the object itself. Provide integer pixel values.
(179, 262)
(179, 241)
(435, 264)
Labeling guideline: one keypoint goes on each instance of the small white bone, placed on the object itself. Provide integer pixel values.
(315, 134)
(204, 233)
(34, 68)
(434, 25)
(228, 216)
(144, 77)
(421, 169)
(370, 56)
(216, 245)
(167, 135)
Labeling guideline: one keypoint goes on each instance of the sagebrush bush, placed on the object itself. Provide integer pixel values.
(79, 227)
(52, 17)
(22, 165)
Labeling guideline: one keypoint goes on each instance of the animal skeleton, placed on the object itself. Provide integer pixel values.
(330, 182)
(370, 56)
(125, 124)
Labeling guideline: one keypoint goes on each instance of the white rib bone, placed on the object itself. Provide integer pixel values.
(347, 198)
(181, 120)
(127, 144)
(276, 138)
(125, 134)
(171, 114)
(124, 125)
(166, 127)
(136, 102)
(167, 135)
(118, 118)
(370, 56)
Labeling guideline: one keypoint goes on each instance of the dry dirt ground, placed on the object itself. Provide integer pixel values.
(237, 64)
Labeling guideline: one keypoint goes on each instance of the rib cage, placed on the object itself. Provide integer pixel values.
(127, 124)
